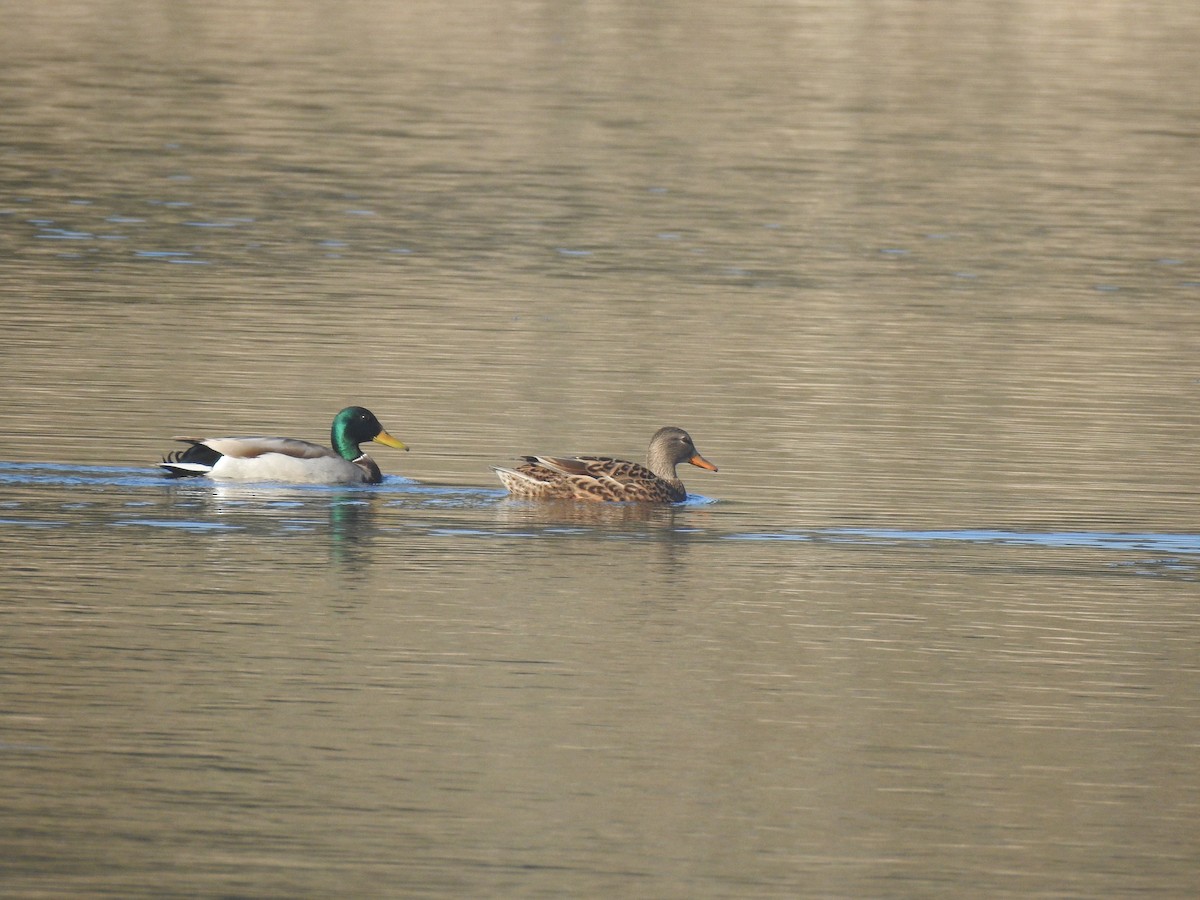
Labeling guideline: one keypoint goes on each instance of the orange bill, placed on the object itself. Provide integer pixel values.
(701, 463)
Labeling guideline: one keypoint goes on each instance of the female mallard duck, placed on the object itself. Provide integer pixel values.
(286, 459)
(604, 478)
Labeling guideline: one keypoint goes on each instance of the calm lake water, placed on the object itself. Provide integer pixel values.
(922, 279)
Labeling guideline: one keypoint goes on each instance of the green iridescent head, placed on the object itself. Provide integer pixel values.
(355, 425)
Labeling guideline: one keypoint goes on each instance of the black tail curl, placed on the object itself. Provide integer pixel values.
(197, 454)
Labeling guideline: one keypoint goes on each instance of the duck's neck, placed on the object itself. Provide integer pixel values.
(661, 465)
(345, 447)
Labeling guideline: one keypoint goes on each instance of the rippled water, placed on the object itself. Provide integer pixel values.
(921, 281)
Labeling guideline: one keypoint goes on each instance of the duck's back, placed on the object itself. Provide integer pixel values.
(599, 478)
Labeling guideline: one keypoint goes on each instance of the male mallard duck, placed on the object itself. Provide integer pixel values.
(287, 459)
(604, 478)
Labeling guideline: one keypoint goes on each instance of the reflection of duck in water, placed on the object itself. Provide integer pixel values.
(298, 512)
(604, 478)
(288, 460)
(627, 519)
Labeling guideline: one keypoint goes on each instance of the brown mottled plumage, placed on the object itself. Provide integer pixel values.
(603, 478)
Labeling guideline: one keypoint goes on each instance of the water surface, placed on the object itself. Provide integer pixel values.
(922, 282)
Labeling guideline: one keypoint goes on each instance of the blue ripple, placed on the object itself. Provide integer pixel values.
(176, 523)
(1157, 542)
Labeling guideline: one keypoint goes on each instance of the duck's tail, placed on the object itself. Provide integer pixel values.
(195, 460)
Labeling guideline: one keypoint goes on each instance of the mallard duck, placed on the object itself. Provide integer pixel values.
(604, 478)
(286, 459)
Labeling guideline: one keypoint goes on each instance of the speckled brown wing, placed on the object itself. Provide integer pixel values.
(600, 478)
(532, 481)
